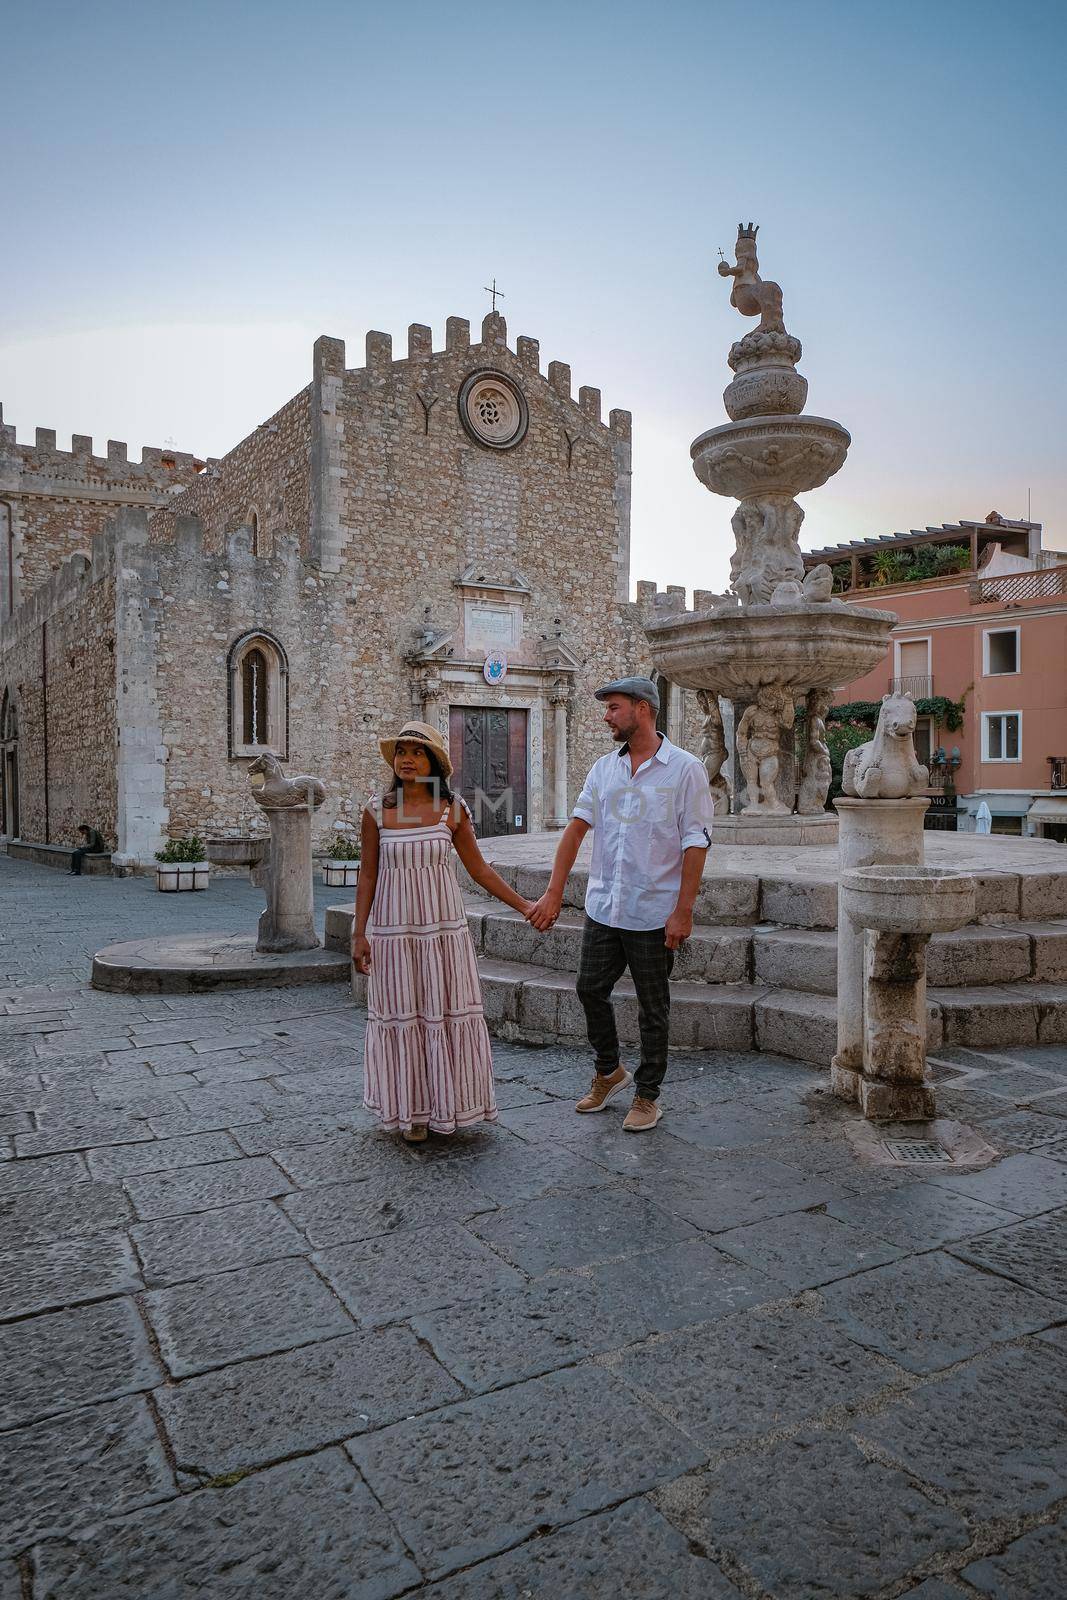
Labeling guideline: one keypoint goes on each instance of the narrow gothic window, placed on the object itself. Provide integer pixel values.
(253, 523)
(259, 697)
(7, 561)
(254, 697)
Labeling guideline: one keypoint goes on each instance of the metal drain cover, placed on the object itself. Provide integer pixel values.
(924, 1150)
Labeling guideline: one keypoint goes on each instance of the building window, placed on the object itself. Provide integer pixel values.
(924, 739)
(1001, 652)
(253, 523)
(259, 696)
(1002, 735)
(9, 767)
(912, 675)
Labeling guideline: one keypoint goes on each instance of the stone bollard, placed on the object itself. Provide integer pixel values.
(872, 832)
(888, 913)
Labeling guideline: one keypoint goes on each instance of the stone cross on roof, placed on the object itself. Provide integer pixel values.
(496, 293)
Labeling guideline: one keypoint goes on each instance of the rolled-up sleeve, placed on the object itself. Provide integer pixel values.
(696, 809)
(587, 804)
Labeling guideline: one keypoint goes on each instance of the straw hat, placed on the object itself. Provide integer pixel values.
(417, 733)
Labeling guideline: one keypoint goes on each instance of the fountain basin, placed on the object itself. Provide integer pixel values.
(735, 651)
(897, 899)
(770, 455)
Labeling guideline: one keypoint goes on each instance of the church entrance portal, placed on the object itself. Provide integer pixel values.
(488, 750)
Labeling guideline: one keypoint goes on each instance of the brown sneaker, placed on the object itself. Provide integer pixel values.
(603, 1087)
(642, 1115)
(415, 1134)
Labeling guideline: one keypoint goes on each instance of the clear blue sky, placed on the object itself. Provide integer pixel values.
(192, 193)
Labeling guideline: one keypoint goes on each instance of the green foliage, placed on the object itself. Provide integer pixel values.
(865, 712)
(841, 572)
(951, 558)
(841, 737)
(343, 847)
(890, 566)
(182, 851)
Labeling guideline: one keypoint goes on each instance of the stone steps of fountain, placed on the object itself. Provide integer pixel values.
(730, 988)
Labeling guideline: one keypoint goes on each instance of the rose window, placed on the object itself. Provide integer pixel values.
(493, 410)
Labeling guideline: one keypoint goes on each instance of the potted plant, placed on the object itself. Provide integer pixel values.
(340, 869)
(182, 865)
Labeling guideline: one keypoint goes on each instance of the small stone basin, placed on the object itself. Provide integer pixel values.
(909, 899)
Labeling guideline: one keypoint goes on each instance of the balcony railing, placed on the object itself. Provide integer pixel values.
(1014, 587)
(920, 687)
(1058, 772)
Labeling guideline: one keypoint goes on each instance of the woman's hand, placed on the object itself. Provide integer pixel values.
(361, 953)
(526, 907)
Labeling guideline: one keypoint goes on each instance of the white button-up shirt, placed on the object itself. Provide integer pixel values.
(642, 822)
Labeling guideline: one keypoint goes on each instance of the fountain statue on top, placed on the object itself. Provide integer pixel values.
(780, 640)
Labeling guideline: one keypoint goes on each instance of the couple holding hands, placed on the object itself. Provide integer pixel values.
(428, 1064)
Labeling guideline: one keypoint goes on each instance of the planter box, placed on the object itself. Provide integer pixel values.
(239, 851)
(340, 874)
(177, 876)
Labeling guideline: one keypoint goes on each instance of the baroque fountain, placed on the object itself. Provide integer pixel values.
(779, 641)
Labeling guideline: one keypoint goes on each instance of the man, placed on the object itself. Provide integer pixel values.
(92, 845)
(650, 809)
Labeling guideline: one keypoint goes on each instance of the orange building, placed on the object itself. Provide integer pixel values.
(983, 625)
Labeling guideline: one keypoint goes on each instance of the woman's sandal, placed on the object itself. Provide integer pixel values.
(414, 1134)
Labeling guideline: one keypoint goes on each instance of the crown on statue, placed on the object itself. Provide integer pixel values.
(747, 233)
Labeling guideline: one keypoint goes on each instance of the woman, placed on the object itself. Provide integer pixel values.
(428, 1062)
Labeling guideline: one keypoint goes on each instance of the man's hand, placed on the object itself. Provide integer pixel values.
(545, 912)
(679, 927)
(361, 954)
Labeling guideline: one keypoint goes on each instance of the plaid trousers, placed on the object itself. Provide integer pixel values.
(606, 953)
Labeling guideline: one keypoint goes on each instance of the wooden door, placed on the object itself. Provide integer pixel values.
(488, 749)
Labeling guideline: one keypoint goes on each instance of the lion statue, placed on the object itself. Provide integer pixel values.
(886, 767)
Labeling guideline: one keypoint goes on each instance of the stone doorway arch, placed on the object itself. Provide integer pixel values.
(9, 766)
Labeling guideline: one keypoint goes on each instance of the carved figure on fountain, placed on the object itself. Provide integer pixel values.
(713, 750)
(817, 769)
(272, 789)
(758, 743)
(750, 294)
(766, 551)
(886, 767)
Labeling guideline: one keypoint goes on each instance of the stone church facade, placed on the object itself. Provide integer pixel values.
(442, 535)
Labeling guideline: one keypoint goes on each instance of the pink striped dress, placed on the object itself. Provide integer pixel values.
(428, 1059)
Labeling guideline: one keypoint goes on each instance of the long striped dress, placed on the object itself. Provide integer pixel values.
(428, 1059)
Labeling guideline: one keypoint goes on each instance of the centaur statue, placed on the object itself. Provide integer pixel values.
(750, 295)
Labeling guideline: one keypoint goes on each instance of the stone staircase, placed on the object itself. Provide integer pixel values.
(759, 972)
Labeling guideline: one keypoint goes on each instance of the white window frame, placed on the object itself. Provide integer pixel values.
(924, 638)
(277, 730)
(986, 632)
(1000, 761)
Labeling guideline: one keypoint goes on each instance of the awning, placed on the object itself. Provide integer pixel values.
(1049, 809)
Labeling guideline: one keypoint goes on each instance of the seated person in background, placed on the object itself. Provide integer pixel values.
(92, 845)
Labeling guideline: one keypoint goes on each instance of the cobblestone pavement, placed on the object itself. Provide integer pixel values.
(251, 1347)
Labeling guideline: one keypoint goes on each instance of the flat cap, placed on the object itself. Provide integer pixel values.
(636, 688)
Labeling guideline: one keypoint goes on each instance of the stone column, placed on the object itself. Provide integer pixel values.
(559, 697)
(288, 923)
(894, 1035)
(871, 833)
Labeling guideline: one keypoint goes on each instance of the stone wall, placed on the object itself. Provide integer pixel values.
(57, 660)
(265, 478)
(58, 500)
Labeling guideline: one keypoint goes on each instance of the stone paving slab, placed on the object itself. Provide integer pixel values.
(306, 1527)
(514, 1334)
(84, 1134)
(44, 1215)
(161, 1155)
(811, 1517)
(755, 1373)
(202, 1188)
(737, 1190)
(66, 1359)
(1034, 1567)
(261, 1137)
(39, 1277)
(926, 1312)
(919, 1216)
(253, 1311)
(74, 1469)
(804, 1249)
(1026, 1185)
(383, 1280)
(175, 1249)
(1032, 1253)
(341, 1213)
(255, 1412)
(544, 1234)
(631, 1551)
(541, 1454)
(993, 1459)
(43, 1172)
